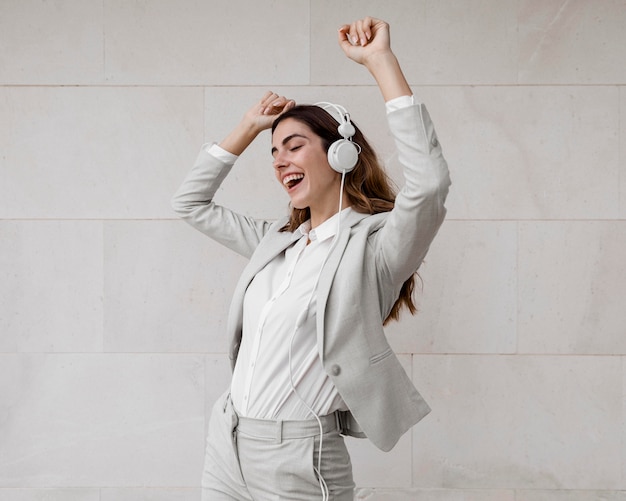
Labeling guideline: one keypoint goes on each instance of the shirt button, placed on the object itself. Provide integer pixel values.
(434, 141)
(335, 370)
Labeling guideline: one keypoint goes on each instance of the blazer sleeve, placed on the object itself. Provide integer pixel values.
(419, 208)
(193, 202)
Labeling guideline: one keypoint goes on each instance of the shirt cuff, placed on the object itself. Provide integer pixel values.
(220, 153)
(399, 103)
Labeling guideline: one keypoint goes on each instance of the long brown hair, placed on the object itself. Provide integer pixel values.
(368, 187)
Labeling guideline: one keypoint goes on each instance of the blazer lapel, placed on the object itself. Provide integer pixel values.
(325, 282)
(330, 269)
(267, 250)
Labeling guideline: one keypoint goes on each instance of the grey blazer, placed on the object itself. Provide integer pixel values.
(361, 279)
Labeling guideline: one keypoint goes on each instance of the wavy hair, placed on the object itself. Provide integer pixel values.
(368, 187)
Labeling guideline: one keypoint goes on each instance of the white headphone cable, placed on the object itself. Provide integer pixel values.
(299, 321)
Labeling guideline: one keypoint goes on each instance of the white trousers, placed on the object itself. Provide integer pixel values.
(259, 460)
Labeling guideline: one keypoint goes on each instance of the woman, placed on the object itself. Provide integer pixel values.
(310, 358)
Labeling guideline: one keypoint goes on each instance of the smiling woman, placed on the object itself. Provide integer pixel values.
(310, 359)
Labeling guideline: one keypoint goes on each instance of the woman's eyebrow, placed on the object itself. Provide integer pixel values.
(286, 140)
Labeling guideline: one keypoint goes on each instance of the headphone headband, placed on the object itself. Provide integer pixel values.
(343, 154)
(338, 112)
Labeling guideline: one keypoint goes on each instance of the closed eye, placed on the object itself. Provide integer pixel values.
(296, 148)
(285, 141)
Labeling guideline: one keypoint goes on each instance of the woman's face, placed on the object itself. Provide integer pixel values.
(301, 166)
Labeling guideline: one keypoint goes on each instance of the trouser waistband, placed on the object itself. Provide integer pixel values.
(286, 430)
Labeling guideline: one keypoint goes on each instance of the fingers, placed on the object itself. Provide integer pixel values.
(360, 32)
(273, 104)
(343, 36)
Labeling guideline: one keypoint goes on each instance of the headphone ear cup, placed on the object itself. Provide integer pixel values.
(343, 155)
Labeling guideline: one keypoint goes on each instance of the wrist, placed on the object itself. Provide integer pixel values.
(380, 61)
(240, 137)
(385, 69)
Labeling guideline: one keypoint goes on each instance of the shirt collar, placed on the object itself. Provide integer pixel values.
(328, 228)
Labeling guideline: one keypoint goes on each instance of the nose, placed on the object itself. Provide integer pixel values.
(279, 160)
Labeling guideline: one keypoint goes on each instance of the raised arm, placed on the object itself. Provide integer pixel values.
(193, 201)
(419, 206)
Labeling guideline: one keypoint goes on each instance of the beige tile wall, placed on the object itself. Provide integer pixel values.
(112, 311)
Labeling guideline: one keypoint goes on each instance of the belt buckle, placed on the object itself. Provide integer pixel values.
(341, 419)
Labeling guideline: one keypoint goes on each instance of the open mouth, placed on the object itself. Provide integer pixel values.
(292, 180)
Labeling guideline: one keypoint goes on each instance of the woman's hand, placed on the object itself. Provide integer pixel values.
(262, 115)
(365, 39)
(367, 42)
(258, 118)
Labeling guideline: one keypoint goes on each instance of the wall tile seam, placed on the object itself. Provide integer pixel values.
(537, 220)
(518, 304)
(507, 490)
(201, 85)
(142, 487)
(104, 40)
(176, 219)
(514, 355)
(86, 219)
(100, 488)
(224, 354)
(623, 434)
(189, 354)
(137, 85)
(621, 147)
(381, 490)
(100, 491)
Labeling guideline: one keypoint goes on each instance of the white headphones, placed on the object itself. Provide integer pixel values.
(343, 154)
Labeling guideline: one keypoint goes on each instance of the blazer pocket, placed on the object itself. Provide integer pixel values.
(381, 356)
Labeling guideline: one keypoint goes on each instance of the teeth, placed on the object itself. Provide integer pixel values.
(292, 177)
